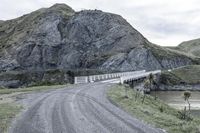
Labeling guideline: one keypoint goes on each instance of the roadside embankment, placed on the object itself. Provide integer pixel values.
(154, 112)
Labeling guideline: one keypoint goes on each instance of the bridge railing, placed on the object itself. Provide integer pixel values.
(137, 76)
(93, 78)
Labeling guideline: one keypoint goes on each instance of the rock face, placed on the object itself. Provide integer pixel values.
(60, 38)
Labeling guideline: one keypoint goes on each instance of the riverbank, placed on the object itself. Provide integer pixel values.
(195, 87)
(154, 112)
(176, 99)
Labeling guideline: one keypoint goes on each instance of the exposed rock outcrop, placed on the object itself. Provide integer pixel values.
(60, 38)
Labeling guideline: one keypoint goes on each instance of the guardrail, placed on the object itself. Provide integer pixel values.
(93, 78)
(138, 76)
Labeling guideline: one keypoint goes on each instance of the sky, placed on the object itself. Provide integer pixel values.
(163, 22)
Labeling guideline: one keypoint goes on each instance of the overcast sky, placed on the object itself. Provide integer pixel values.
(164, 22)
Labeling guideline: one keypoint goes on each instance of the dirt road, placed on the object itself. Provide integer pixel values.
(77, 109)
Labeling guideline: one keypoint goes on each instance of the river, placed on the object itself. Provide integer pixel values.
(175, 99)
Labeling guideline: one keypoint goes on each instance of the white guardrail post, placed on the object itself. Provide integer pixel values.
(75, 80)
(121, 80)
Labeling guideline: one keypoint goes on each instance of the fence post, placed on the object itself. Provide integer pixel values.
(90, 79)
(86, 79)
(121, 80)
(75, 80)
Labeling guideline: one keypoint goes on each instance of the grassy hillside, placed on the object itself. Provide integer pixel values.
(183, 75)
(164, 52)
(191, 47)
(155, 112)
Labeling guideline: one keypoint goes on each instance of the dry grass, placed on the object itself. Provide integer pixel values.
(153, 111)
(9, 108)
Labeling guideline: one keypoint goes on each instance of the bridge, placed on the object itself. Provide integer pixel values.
(123, 77)
(138, 76)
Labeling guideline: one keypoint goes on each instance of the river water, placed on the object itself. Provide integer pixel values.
(175, 99)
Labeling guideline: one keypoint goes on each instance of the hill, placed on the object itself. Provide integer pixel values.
(191, 47)
(60, 38)
(183, 75)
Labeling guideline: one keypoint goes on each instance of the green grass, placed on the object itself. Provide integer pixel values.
(28, 89)
(192, 47)
(167, 53)
(188, 74)
(153, 111)
(7, 112)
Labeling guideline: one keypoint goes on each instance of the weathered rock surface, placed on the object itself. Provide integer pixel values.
(60, 38)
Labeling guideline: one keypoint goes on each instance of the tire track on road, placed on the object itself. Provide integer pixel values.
(80, 109)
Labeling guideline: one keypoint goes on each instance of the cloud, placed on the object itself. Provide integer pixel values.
(165, 22)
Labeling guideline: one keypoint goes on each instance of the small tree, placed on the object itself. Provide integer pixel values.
(155, 86)
(136, 94)
(187, 95)
(126, 92)
(146, 87)
(152, 83)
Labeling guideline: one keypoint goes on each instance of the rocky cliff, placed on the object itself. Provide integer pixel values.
(60, 38)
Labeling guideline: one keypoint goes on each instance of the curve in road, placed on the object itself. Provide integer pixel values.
(78, 109)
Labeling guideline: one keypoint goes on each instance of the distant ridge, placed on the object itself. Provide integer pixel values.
(191, 47)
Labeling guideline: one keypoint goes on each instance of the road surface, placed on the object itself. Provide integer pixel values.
(76, 109)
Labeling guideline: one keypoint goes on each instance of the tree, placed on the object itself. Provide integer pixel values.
(126, 91)
(187, 95)
(136, 94)
(152, 83)
(146, 87)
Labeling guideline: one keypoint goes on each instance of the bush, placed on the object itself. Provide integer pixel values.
(2, 87)
(161, 108)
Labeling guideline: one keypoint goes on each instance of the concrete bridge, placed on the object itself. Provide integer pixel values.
(123, 77)
(101, 77)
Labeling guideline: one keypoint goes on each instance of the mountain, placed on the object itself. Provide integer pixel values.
(192, 47)
(182, 75)
(60, 38)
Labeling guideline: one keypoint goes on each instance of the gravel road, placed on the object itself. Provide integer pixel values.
(76, 109)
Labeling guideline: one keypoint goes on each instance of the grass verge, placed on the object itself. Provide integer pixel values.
(28, 89)
(154, 112)
(9, 109)
(7, 112)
